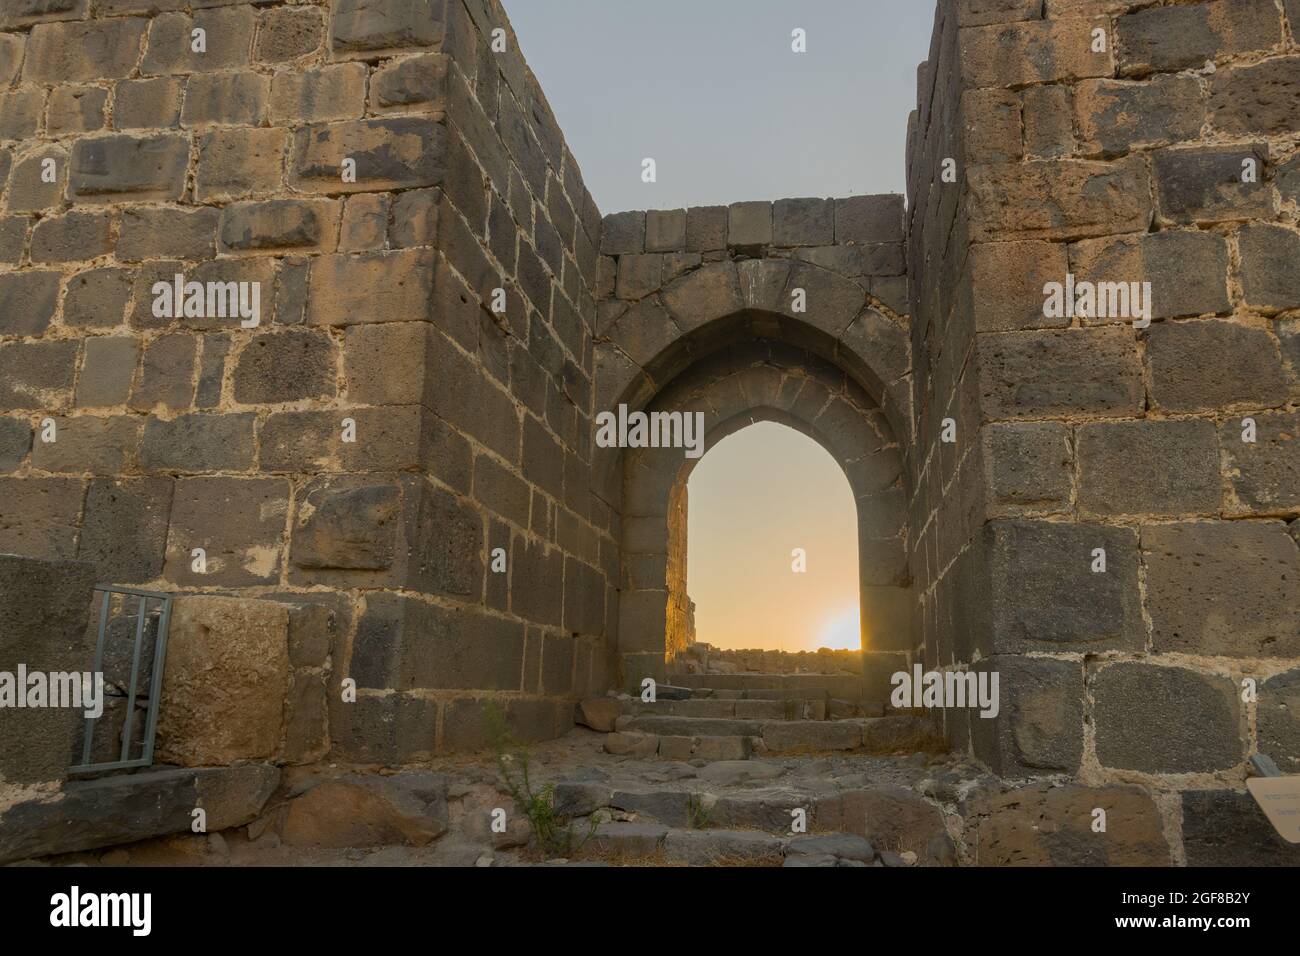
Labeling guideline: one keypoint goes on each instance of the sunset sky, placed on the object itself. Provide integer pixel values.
(712, 92)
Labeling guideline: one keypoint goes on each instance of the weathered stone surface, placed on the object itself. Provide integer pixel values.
(398, 153)
(89, 444)
(226, 98)
(631, 744)
(1037, 51)
(1059, 199)
(285, 33)
(239, 163)
(1007, 281)
(114, 168)
(1278, 719)
(36, 374)
(708, 293)
(1148, 467)
(393, 729)
(1039, 725)
(721, 847)
(1043, 825)
(901, 734)
(1269, 278)
(43, 626)
(1204, 184)
(1027, 464)
(811, 736)
(1227, 828)
(75, 109)
(1165, 719)
(40, 516)
(1223, 588)
(1059, 371)
(1188, 272)
(124, 532)
(229, 38)
(598, 713)
(97, 298)
(166, 374)
(153, 103)
(749, 224)
(1115, 116)
(1044, 594)
(405, 809)
(1264, 474)
(133, 807)
(77, 52)
(373, 287)
(1256, 99)
(226, 679)
(665, 230)
(892, 819)
(369, 27)
(706, 229)
(349, 523)
(168, 232)
(15, 442)
(1176, 38)
(238, 522)
(28, 301)
(285, 367)
(411, 81)
(1202, 366)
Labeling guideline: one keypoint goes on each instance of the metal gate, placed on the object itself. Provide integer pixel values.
(145, 615)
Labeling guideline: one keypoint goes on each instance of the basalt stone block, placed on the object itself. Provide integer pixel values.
(148, 104)
(75, 109)
(860, 219)
(227, 98)
(1264, 474)
(1176, 38)
(72, 237)
(1043, 595)
(11, 58)
(118, 168)
(42, 625)
(1037, 51)
(238, 163)
(387, 363)
(1165, 719)
(1205, 184)
(1115, 116)
(36, 374)
(392, 438)
(706, 229)
(1223, 588)
(1039, 725)
(124, 532)
(97, 298)
(1046, 825)
(803, 222)
(167, 233)
(1278, 719)
(1059, 199)
(229, 38)
(665, 230)
(348, 524)
(397, 153)
(1028, 464)
(994, 126)
(15, 442)
(534, 570)
(1269, 277)
(27, 190)
(1148, 467)
(77, 52)
(286, 33)
(393, 730)
(1204, 366)
(13, 229)
(1188, 272)
(1258, 99)
(89, 444)
(623, 232)
(40, 516)
(372, 287)
(28, 301)
(749, 224)
(368, 28)
(198, 442)
(238, 522)
(412, 81)
(1059, 371)
(403, 643)
(133, 807)
(1007, 280)
(23, 13)
(167, 374)
(1227, 828)
(20, 113)
(285, 367)
(330, 93)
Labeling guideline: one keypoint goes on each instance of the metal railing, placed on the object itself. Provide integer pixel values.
(105, 642)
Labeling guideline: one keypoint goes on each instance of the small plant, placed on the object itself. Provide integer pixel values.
(697, 814)
(553, 833)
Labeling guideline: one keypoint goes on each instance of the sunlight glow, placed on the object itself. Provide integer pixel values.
(843, 633)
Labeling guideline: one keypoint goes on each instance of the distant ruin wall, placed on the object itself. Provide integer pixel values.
(1115, 142)
(374, 172)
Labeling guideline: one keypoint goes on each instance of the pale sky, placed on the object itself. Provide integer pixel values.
(711, 90)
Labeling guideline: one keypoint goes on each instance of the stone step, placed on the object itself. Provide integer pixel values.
(847, 686)
(647, 842)
(717, 738)
(755, 709)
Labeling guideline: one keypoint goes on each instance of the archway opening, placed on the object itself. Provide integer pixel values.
(770, 563)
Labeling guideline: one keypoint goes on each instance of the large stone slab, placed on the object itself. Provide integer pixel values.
(124, 809)
(225, 682)
(407, 809)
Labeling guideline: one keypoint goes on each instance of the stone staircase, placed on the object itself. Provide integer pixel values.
(738, 716)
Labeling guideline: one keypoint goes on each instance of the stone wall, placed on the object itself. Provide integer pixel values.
(380, 431)
(1118, 142)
